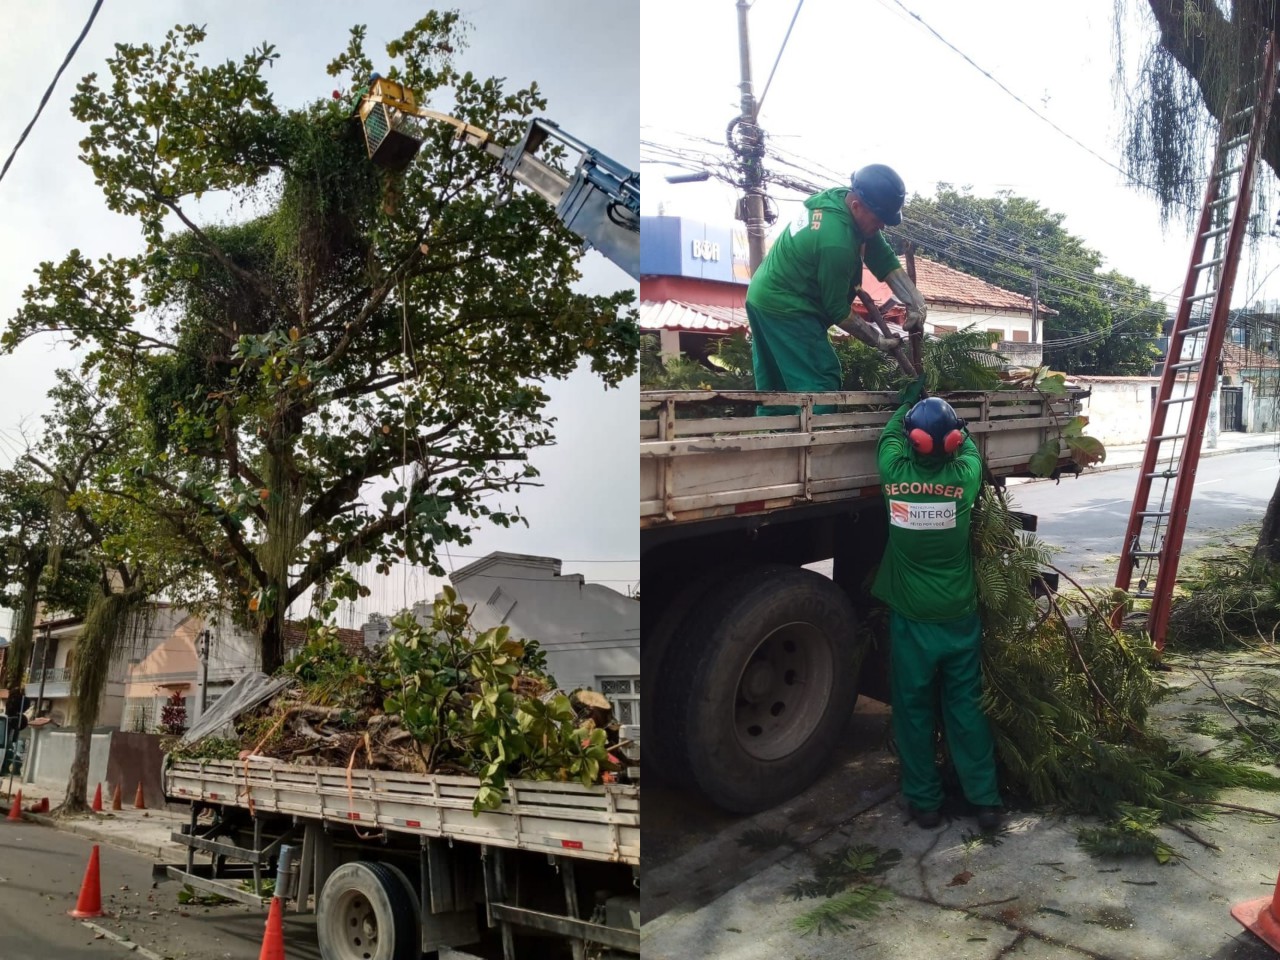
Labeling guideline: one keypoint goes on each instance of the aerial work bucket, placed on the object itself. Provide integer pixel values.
(391, 135)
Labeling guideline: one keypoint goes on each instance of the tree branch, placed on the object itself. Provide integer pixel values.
(376, 299)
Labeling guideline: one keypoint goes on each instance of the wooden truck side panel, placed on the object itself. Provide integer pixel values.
(694, 469)
(564, 819)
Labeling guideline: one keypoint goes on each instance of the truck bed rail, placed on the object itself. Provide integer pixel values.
(566, 819)
(706, 454)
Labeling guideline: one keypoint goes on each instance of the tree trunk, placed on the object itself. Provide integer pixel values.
(76, 800)
(1190, 49)
(24, 629)
(272, 644)
(1268, 547)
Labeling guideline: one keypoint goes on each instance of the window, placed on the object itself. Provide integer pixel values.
(940, 329)
(139, 714)
(624, 693)
(1021, 336)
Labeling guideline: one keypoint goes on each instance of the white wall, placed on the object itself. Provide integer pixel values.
(1004, 323)
(50, 759)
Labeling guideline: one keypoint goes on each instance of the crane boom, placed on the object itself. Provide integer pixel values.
(599, 201)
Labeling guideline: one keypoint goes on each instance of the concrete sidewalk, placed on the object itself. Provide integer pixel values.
(1030, 892)
(142, 831)
(1127, 455)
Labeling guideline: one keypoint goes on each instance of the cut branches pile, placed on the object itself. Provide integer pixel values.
(1068, 699)
(439, 698)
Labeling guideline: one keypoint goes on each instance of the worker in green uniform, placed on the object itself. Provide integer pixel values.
(810, 278)
(930, 472)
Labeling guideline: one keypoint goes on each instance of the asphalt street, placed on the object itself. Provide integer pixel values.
(40, 874)
(1085, 517)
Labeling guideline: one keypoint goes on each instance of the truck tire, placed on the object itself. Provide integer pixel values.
(658, 649)
(767, 672)
(367, 912)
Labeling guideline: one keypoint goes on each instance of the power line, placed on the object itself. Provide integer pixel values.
(1024, 103)
(49, 92)
(778, 58)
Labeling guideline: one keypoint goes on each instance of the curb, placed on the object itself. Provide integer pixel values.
(88, 829)
(1268, 444)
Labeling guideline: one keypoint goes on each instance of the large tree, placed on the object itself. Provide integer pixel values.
(27, 530)
(122, 555)
(359, 328)
(1105, 322)
(1200, 53)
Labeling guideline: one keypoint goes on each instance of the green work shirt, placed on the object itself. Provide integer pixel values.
(927, 570)
(814, 269)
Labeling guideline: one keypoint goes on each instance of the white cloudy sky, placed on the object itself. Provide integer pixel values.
(582, 54)
(865, 82)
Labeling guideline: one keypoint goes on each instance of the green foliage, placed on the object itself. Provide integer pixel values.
(207, 748)
(357, 326)
(954, 361)
(1017, 244)
(1131, 834)
(475, 699)
(728, 367)
(27, 532)
(1068, 697)
(842, 877)
(189, 896)
(1082, 449)
(173, 715)
(1224, 600)
(962, 360)
(1172, 110)
(329, 675)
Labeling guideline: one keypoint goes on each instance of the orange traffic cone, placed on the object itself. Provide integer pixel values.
(15, 809)
(96, 806)
(115, 799)
(42, 806)
(1262, 917)
(273, 941)
(89, 903)
(139, 802)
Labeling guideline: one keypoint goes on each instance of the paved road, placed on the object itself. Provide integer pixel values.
(40, 874)
(1086, 516)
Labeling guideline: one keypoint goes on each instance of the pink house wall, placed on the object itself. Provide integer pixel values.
(173, 661)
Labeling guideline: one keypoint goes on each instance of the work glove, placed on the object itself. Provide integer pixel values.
(913, 391)
(888, 344)
(909, 296)
(861, 330)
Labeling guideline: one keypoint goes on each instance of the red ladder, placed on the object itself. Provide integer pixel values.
(1153, 540)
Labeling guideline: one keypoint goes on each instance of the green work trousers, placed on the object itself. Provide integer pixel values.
(792, 355)
(922, 655)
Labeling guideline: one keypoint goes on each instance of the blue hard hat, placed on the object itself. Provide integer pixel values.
(933, 427)
(881, 189)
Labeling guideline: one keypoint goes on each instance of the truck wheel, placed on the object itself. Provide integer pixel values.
(768, 678)
(658, 648)
(367, 912)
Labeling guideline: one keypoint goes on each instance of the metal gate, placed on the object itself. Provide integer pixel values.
(1231, 408)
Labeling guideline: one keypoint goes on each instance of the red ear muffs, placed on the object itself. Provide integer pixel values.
(922, 442)
(951, 443)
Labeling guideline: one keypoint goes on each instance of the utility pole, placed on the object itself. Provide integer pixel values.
(29, 763)
(746, 140)
(1035, 305)
(203, 648)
